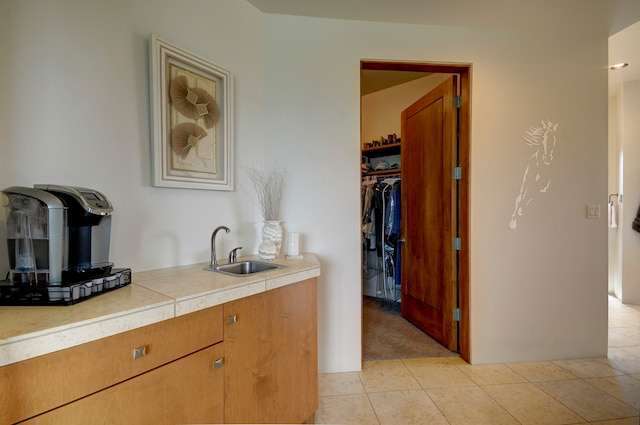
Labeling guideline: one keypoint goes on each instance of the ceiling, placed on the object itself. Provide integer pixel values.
(598, 17)
(623, 47)
(373, 80)
(582, 17)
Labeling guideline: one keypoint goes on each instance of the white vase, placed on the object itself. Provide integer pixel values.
(271, 240)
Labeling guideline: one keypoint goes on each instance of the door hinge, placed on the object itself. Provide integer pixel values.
(457, 315)
(457, 173)
(457, 244)
(457, 101)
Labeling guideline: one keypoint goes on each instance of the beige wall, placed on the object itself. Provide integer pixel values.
(381, 110)
(75, 110)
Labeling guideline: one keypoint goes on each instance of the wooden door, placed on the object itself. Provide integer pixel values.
(429, 207)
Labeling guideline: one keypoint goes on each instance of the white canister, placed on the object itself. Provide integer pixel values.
(293, 245)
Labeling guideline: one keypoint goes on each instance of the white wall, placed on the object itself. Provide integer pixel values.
(536, 292)
(630, 250)
(75, 110)
(615, 186)
(624, 170)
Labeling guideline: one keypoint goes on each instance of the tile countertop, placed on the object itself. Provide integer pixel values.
(153, 296)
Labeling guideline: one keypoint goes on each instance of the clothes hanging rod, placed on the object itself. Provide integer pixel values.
(381, 178)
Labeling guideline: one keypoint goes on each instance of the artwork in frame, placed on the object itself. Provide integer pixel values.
(191, 104)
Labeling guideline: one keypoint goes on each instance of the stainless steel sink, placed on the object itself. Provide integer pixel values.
(244, 268)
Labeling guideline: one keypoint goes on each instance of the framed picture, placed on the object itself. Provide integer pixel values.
(191, 104)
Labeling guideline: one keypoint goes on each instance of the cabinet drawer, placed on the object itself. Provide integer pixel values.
(43, 383)
(189, 390)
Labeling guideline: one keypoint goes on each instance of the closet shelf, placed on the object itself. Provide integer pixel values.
(392, 171)
(385, 150)
(381, 151)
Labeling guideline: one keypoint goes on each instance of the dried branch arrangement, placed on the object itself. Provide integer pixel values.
(268, 186)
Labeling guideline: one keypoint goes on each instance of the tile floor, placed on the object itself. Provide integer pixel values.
(446, 390)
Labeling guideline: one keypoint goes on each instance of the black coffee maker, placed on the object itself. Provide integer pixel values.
(57, 239)
(88, 230)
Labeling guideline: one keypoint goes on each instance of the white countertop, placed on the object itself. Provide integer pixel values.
(153, 296)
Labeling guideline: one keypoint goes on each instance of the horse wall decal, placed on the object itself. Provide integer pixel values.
(535, 178)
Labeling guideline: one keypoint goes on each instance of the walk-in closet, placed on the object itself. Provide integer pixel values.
(384, 96)
(380, 189)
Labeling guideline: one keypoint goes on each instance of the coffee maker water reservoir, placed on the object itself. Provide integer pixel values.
(35, 224)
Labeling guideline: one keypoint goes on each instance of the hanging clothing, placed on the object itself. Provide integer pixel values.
(369, 207)
(381, 232)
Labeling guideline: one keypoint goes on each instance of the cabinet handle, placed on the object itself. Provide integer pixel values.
(218, 363)
(232, 319)
(139, 352)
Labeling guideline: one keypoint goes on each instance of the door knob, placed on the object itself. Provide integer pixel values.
(402, 240)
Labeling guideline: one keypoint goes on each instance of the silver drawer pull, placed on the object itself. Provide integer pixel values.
(218, 364)
(139, 352)
(232, 319)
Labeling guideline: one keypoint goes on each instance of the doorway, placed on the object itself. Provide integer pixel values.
(460, 246)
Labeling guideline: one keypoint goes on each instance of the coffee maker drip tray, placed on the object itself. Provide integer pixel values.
(86, 272)
(78, 285)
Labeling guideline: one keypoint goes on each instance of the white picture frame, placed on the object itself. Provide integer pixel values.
(191, 107)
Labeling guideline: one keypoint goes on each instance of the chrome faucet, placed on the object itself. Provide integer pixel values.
(214, 260)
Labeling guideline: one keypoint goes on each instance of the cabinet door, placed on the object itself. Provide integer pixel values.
(188, 390)
(271, 356)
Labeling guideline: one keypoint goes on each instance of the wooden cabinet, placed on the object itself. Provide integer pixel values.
(266, 370)
(43, 383)
(271, 360)
(187, 390)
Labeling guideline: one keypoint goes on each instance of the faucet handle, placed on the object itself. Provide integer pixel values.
(233, 254)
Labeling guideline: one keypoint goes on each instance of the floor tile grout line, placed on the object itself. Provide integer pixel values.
(373, 408)
(618, 367)
(598, 389)
(526, 381)
(504, 364)
(560, 401)
(475, 384)
(415, 379)
(609, 394)
(426, 390)
(500, 404)
(366, 392)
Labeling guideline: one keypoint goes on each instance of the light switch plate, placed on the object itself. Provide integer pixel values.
(593, 211)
